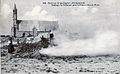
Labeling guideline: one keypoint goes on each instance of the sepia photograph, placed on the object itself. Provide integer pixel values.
(60, 36)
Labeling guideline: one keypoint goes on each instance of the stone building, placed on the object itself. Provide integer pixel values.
(23, 28)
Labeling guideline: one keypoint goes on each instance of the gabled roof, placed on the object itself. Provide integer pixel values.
(29, 24)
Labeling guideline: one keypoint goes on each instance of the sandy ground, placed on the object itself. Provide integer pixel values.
(87, 65)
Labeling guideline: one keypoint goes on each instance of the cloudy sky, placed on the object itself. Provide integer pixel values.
(106, 16)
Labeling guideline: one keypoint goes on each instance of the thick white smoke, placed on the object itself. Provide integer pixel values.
(104, 42)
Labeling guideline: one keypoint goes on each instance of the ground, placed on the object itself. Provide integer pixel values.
(81, 65)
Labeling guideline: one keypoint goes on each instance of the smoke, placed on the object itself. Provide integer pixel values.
(103, 42)
(83, 35)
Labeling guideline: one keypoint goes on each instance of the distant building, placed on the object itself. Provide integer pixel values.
(23, 28)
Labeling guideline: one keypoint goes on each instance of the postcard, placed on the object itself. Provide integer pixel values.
(60, 36)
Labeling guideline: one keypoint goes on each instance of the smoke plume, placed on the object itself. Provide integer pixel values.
(103, 42)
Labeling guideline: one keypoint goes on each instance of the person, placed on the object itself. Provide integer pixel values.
(51, 35)
(11, 46)
(23, 35)
(11, 50)
(51, 39)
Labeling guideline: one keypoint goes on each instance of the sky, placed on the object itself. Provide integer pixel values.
(79, 18)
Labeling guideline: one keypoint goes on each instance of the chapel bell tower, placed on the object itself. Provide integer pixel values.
(15, 26)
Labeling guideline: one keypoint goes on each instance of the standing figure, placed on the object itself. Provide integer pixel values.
(51, 35)
(11, 46)
(23, 35)
(10, 50)
(51, 39)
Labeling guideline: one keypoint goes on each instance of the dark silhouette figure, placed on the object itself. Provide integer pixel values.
(51, 38)
(11, 46)
(23, 35)
(51, 35)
